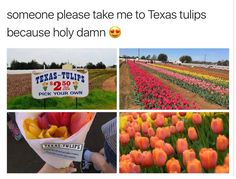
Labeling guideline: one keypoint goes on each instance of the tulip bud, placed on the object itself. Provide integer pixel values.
(180, 126)
(208, 158)
(226, 160)
(196, 118)
(160, 133)
(147, 160)
(136, 156)
(188, 155)
(222, 143)
(222, 169)
(160, 120)
(217, 125)
(181, 145)
(159, 157)
(124, 138)
(194, 166)
(174, 119)
(173, 166)
(130, 131)
(192, 134)
(141, 142)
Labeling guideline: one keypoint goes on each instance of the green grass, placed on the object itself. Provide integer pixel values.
(97, 99)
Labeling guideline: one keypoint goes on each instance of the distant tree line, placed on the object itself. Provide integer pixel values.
(183, 59)
(33, 64)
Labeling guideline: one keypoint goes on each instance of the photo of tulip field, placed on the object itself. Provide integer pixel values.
(153, 84)
(169, 142)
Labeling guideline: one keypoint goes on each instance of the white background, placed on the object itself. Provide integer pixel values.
(214, 32)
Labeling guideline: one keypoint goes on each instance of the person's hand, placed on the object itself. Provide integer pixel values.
(100, 163)
(49, 169)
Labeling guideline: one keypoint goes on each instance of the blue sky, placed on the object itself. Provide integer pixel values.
(211, 54)
(78, 57)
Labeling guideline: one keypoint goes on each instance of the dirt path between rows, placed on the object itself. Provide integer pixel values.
(109, 84)
(188, 95)
(126, 89)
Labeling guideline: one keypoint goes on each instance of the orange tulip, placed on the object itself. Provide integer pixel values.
(159, 157)
(129, 167)
(137, 134)
(160, 120)
(192, 134)
(180, 126)
(160, 133)
(169, 150)
(144, 116)
(126, 157)
(136, 156)
(141, 142)
(136, 126)
(181, 145)
(130, 131)
(130, 118)
(222, 143)
(135, 115)
(124, 138)
(196, 118)
(153, 140)
(226, 160)
(188, 155)
(159, 144)
(174, 119)
(147, 160)
(145, 126)
(173, 166)
(217, 125)
(167, 131)
(222, 169)
(194, 166)
(172, 129)
(153, 115)
(208, 158)
(151, 132)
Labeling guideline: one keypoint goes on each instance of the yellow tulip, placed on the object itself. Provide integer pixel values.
(50, 132)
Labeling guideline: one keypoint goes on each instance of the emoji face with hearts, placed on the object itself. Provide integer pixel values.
(115, 32)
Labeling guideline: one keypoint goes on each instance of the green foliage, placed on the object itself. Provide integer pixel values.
(97, 99)
(162, 57)
(185, 59)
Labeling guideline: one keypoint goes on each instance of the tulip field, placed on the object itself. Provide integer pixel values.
(182, 142)
(152, 93)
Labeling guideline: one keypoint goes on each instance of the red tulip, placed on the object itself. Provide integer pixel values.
(217, 125)
(124, 138)
(194, 166)
(222, 143)
(208, 158)
(160, 120)
(192, 134)
(180, 126)
(174, 119)
(196, 118)
(159, 157)
(188, 155)
(147, 160)
(141, 142)
(161, 133)
(43, 121)
(173, 166)
(222, 169)
(78, 120)
(181, 145)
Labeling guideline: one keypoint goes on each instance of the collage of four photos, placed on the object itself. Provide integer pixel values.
(128, 110)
